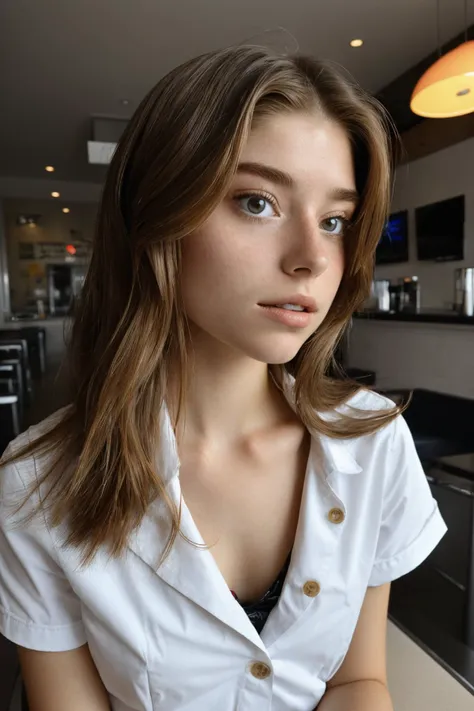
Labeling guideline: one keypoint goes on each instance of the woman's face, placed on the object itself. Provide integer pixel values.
(277, 238)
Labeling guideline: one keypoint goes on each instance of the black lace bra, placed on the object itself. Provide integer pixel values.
(259, 611)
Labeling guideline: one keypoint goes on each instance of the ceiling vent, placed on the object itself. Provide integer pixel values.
(105, 135)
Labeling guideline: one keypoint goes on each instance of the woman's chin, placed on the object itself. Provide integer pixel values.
(275, 354)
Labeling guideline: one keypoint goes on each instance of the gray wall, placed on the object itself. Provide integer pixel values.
(415, 355)
(434, 356)
(442, 175)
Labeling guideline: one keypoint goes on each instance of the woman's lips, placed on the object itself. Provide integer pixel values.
(295, 319)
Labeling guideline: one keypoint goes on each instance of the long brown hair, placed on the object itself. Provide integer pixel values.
(172, 166)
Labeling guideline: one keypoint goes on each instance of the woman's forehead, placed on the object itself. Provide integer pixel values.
(300, 149)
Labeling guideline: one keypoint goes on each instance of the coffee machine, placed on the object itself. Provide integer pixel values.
(410, 294)
(464, 291)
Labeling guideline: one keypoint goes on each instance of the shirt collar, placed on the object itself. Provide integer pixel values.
(338, 456)
(336, 453)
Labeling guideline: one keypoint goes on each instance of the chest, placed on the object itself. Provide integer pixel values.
(176, 638)
(246, 505)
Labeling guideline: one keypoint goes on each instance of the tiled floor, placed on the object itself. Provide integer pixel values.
(417, 682)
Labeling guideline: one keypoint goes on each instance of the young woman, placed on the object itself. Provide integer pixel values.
(214, 522)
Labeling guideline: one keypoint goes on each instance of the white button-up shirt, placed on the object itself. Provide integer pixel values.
(175, 639)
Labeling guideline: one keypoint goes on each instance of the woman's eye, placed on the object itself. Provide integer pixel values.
(334, 225)
(256, 205)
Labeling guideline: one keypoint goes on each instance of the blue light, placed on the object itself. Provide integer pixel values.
(395, 229)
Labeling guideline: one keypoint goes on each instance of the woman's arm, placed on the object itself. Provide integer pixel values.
(361, 682)
(56, 681)
(357, 696)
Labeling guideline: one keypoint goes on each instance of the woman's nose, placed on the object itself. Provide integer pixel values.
(307, 250)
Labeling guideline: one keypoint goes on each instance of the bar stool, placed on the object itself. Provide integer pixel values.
(12, 369)
(18, 348)
(36, 338)
(7, 386)
(9, 420)
(36, 341)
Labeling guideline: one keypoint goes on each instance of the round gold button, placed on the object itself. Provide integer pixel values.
(260, 670)
(336, 516)
(311, 588)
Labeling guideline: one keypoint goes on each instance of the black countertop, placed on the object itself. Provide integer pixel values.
(422, 316)
(426, 604)
(458, 464)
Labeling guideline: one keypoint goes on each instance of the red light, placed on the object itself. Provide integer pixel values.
(71, 249)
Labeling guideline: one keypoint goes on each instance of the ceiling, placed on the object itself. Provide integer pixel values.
(63, 62)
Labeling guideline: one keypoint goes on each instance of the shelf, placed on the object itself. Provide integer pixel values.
(417, 317)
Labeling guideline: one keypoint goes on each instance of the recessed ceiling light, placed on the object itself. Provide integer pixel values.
(55, 194)
(66, 210)
(49, 168)
(357, 43)
(125, 102)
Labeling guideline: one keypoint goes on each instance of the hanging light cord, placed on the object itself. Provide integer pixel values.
(438, 29)
(465, 20)
(438, 24)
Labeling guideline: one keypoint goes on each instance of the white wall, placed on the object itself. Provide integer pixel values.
(442, 175)
(434, 356)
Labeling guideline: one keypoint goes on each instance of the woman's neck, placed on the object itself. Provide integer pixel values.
(229, 397)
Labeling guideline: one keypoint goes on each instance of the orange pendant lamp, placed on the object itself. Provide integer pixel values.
(446, 89)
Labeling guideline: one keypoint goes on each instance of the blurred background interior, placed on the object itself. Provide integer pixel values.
(71, 75)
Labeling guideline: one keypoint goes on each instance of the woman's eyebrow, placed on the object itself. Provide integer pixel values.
(279, 177)
(266, 171)
(344, 195)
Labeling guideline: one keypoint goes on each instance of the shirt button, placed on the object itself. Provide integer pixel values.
(260, 670)
(336, 516)
(311, 588)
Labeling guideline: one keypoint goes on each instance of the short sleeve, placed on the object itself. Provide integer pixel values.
(38, 608)
(411, 524)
